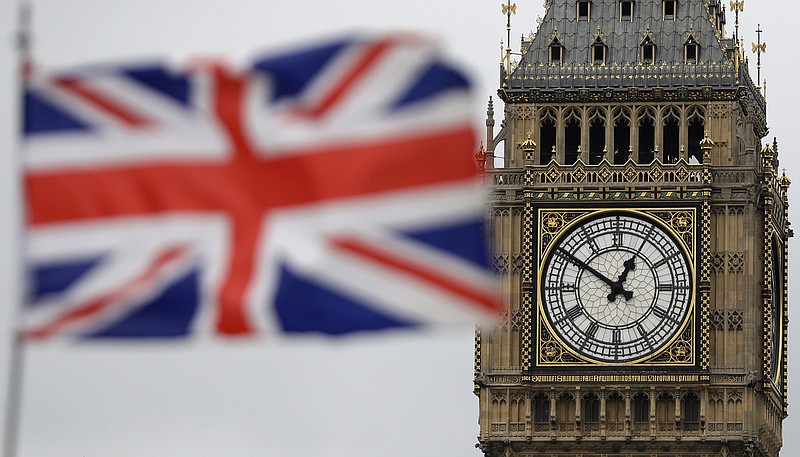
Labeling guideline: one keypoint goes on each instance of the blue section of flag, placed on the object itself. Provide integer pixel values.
(58, 276)
(464, 239)
(169, 314)
(437, 78)
(291, 73)
(42, 116)
(304, 306)
(159, 79)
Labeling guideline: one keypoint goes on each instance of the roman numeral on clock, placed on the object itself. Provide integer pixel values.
(574, 312)
(644, 335)
(666, 259)
(592, 330)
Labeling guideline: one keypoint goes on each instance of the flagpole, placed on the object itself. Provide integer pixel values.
(17, 356)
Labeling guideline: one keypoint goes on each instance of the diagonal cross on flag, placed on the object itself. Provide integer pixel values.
(249, 176)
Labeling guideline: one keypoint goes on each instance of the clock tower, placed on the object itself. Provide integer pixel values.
(639, 220)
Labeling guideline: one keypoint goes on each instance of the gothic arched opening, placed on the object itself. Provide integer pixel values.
(671, 140)
(622, 140)
(696, 133)
(647, 140)
(597, 141)
(547, 141)
(572, 141)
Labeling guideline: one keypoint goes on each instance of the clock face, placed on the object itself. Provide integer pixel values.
(777, 310)
(616, 287)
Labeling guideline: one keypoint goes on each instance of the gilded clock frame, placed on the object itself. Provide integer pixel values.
(682, 222)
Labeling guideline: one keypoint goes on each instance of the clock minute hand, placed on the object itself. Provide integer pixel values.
(588, 268)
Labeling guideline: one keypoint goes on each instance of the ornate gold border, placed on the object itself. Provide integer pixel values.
(551, 223)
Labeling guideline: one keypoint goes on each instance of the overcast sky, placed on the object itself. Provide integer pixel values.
(395, 395)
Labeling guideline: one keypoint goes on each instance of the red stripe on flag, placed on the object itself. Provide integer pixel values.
(371, 55)
(109, 299)
(109, 106)
(481, 297)
(250, 186)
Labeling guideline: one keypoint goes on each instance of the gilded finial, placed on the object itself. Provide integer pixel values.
(529, 144)
(784, 180)
(706, 142)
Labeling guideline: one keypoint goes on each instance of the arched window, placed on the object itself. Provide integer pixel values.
(640, 410)
(665, 412)
(622, 139)
(647, 135)
(572, 137)
(615, 413)
(591, 408)
(590, 411)
(671, 135)
(716, 418)
(565, 412)
(597, 136)
(690, 412)
(541, 412)
(696, 131)
(547, 136)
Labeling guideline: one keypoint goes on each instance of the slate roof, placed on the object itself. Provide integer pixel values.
(623, 65)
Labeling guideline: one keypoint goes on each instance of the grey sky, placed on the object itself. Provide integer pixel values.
(393, 395)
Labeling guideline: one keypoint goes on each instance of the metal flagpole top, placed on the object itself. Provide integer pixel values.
(15, 375)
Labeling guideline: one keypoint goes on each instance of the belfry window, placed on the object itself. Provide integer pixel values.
(583, 10)
(670, 9)
(626, 10)
(647, 140)
(597, 140)
(572, 141)
(547, 140)
(695, 131)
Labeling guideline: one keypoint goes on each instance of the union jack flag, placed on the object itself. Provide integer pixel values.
(329, 190)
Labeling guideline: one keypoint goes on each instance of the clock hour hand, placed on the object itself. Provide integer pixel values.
(617, 288)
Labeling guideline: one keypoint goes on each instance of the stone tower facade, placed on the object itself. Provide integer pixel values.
(640, 226)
